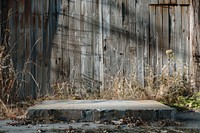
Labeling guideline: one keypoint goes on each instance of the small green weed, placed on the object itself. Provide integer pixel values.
(190, 102)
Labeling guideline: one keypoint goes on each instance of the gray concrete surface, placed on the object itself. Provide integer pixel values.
(100, 110)
(190, 123)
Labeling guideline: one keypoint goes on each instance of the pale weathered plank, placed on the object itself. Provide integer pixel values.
(72, 46)
(132, 34)
(86, 49)
(106, 33)
(114, 37)
(180, 1)
(186, 2)
(172, 33)
(159, 41)
(166, 1)
(161, 1)
(146, 24)
(152, 44)
(173, 1)
(165, 41)
(101, 69)
(140, 42)
(96, 42)
(120, 48)
(77, 18)
(185, 37)
(154, 2)
(178, 47)
(183, 2)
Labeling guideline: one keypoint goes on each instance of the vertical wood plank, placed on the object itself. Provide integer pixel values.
(57, 42)
(120, 43)
(183, 2)
(153, 57)
(71, 43)
(125, 36)
(172, 27)
(186, 1)
(115, 37)
(28, 46)
(173, 1)
(140, 42)
(96, 43)
(78, 37)
(20, 47)
(37, 16)
(132, 34)
(106, 34)
(180, 1)
(146, 24)
(14, 36)
(185, 36)
(101, 45)
(159, 42)
(161, 1)
(154, 2)
(53, 41)
(45, 87)
(165, 44)
(178, 48)
(166, 1)
(172, 32)
(65, 42)
(90, 42)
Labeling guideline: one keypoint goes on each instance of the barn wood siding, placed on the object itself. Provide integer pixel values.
(93, 40)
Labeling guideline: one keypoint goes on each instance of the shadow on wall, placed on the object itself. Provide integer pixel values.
(69, 44)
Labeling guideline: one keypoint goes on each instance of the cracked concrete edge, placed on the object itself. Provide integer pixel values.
(89, 115)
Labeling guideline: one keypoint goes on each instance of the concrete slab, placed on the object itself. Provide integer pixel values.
(100, 110)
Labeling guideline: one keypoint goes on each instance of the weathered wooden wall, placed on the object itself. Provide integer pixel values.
(32, 25)
(91, 40)
(195, 41)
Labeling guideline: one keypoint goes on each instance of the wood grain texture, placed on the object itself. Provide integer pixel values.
(96, 39)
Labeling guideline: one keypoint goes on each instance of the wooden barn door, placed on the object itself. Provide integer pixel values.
(169, 29)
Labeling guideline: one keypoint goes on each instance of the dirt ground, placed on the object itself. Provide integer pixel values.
(186, 122)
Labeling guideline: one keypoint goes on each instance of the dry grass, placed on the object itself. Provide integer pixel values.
(9, 82)
(14, 111)
(7, 75)
(167, 87)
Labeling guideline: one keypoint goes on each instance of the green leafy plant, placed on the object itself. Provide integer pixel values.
(190, 102)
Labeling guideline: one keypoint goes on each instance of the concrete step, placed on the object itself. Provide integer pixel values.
(100, 110)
